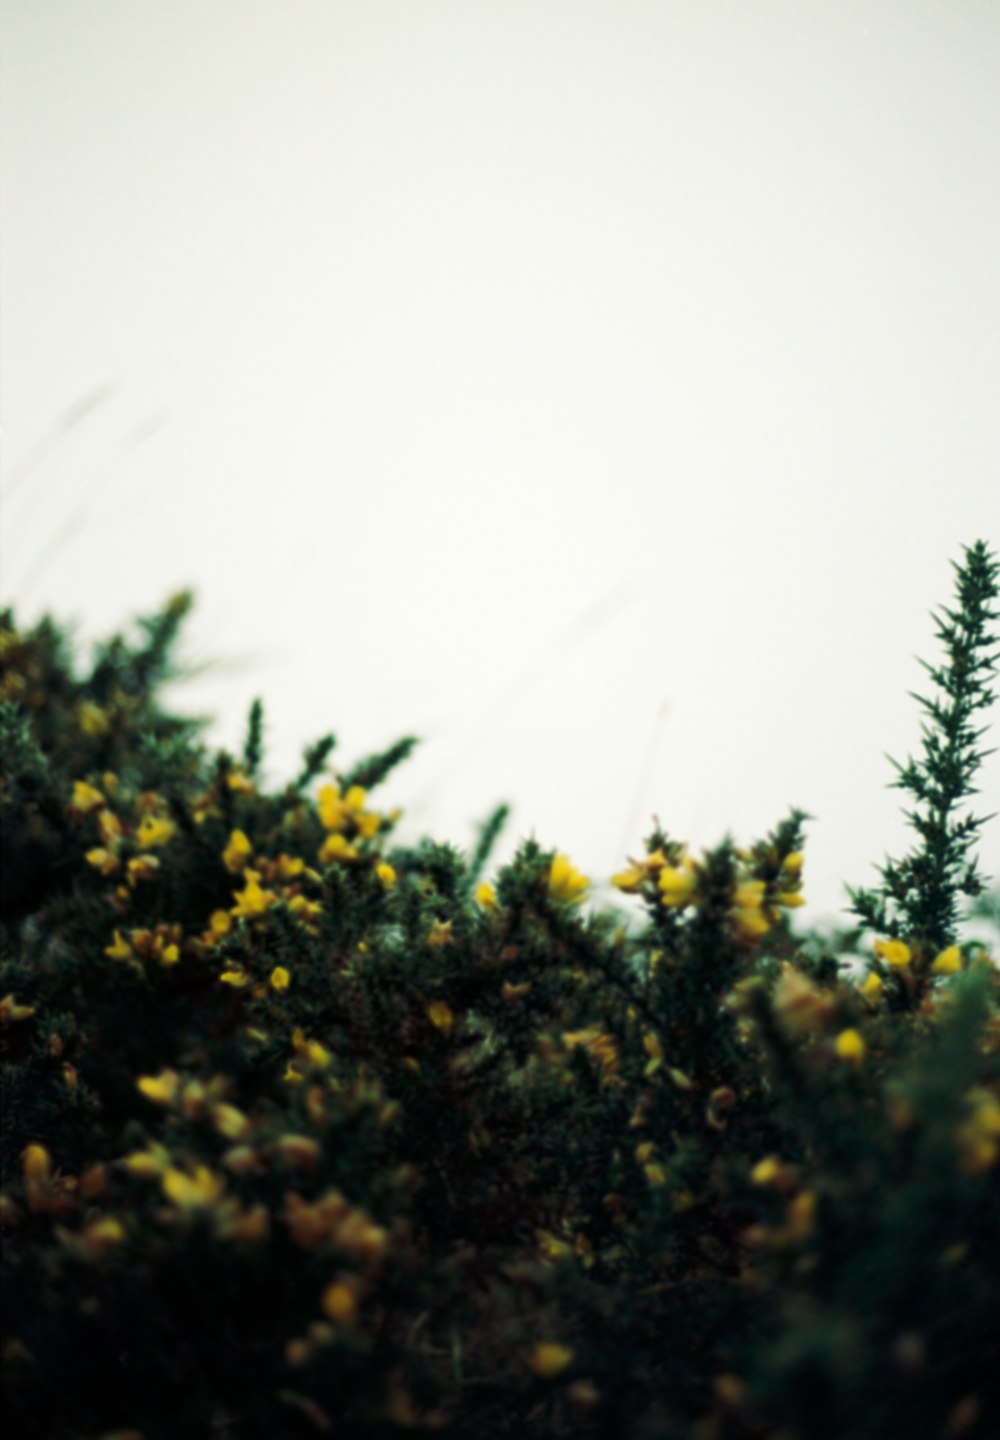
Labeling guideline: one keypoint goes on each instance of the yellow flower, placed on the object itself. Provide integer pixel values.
(749, 920)
(220, 922)
(628, 880)
(236, 978)
(37, 1164)
(947, 962)
(850, 1045)
(894, 953)
(551, 1247)
(873, 984)
(237, 852)
(386, 874)
(280, 978)
(513, 993)
(336, 847)
(240, 783)
(310, 1052)
(749, 895)
(441, 1016)
(639, 871)
(147, 1164)
(750, 924)
(11, 1011)
(340, 1302)
(300, 1152)
(333, 812)
(789, 899)
(141, 867)
(86, 798)
(98, 1239)
(979, 1132)
(200, 1191)
(368, 824)
(308, 911)
(252, 901)
(802, 1214)
(655, 1174)
(104, 860)
(440, 934)
(549, 1359)
(793, 862)
(486, 896)
(566, 883)
(229, 1122)
(93, 720)
(677, 883)
(120, 950)
(162, 1089)
(766, 1170)
(153, 832)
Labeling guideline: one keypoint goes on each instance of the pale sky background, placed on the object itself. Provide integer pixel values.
(596, 390)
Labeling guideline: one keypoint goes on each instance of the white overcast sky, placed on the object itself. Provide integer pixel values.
(597, 390)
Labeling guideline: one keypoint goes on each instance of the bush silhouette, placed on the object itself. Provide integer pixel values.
(308, 1132)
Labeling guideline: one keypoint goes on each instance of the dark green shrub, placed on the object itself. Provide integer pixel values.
(306, 1132)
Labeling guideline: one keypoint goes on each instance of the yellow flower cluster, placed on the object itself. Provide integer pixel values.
(565, 882)
(198, 1193)
(161, 945)
(979, 1133)
(345, 818)
(800, 1213)
(45, 1189)
(906, 960)
(152, 831)
(333, 1220)
(642, 875)
(309, 1055)
(673, 881)
(195, 1100)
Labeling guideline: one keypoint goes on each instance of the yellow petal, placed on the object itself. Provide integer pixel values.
(947, 962)
(894, 953)
(550, 1359)
(441, 1016)
(565, 881)
(850, 1045)
(85, 797)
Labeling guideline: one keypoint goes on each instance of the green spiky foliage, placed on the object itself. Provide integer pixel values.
(920, 894)
(308, 1132)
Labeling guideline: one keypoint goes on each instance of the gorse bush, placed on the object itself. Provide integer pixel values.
(306, 1132)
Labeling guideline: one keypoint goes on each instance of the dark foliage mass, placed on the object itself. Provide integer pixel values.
(308, 1132)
